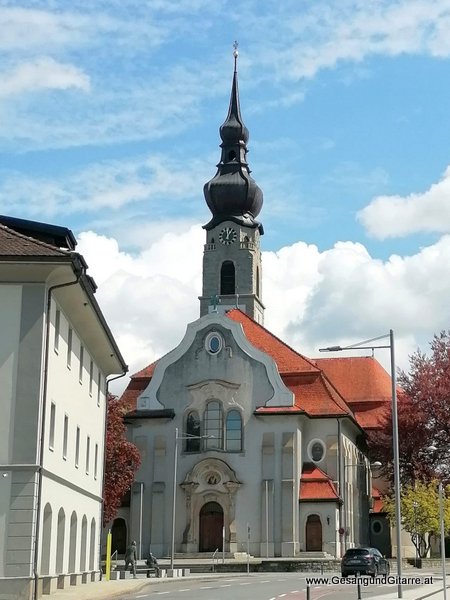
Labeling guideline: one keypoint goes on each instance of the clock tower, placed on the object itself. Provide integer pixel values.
(232, 274)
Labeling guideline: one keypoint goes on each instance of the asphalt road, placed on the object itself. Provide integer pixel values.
(269, 586)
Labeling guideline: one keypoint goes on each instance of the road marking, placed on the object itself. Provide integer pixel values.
(226, 585)
(282, 595)
(185, 590)
(143, 596)
(294, 592)
(206, 587)
(265, 581)
(249, 583)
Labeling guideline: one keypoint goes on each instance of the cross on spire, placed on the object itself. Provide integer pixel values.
(235, 54)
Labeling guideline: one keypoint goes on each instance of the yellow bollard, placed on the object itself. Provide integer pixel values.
(108, 555)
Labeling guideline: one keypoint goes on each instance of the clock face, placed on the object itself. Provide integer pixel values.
(227, 236)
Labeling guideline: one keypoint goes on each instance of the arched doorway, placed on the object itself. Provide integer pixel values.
(313, 534)
(119, 536)
(211, 526)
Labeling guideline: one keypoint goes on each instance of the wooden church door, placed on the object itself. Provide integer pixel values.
(313, 534)
(211, 526)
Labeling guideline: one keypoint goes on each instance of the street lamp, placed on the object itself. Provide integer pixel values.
(174, 497)
(364, 346)
(441, 520)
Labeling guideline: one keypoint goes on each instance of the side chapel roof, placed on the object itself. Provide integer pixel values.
(315, 485)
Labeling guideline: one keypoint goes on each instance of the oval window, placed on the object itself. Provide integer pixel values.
(316, 450)
(377, 527)
(213, 343)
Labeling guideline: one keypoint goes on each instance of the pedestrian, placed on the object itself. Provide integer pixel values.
(130, 558)
(152, 563)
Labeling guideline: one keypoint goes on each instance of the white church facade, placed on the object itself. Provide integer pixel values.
(249, 444)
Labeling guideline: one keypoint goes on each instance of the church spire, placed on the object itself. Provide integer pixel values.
(232, 194)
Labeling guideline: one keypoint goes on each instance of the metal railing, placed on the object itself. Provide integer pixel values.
(114, 561)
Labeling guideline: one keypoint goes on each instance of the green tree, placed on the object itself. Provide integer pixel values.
(420, 512)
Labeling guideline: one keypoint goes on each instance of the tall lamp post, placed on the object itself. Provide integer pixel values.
(367, 345)
(174, 497)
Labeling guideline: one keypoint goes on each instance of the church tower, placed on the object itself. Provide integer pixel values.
(232, 274)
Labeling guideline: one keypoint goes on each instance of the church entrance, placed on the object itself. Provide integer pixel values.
(211, 526)
(313, 534)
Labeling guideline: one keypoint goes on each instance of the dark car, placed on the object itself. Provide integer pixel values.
(365, 561)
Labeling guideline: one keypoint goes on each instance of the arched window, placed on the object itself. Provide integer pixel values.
(193, 428)
(214, 425)
(60, 535)
(73, 542)
(46, 540)
(227, 278)
(234, 431)
(83, 548)
(93, 545)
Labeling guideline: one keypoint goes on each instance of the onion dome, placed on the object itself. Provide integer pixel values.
(232, 195)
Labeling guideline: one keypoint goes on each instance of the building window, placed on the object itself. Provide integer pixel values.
(88, 450)
(95, 461)
(227, 278)
(65, 436)
(91, 376)
(99, 387)
(69, 347)
(234, 431)
(51, 441)
(213, 342)
(77, 448)
(80, 372)
(316, 450)
(57, 329)
(193, 428)
(213, 420)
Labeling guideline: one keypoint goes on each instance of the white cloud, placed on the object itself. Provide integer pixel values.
(313, 298)
(397, 216)
(349, 30)
(43, 73)
(152, 182)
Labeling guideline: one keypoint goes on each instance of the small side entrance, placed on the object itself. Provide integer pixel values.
(211, 526)
(313, 534)
(119, 536)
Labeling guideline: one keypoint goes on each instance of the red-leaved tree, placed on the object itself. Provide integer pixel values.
(122, 460)
(423, 417)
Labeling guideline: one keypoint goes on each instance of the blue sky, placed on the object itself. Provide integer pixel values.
(110, 114)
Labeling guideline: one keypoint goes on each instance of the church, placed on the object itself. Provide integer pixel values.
(246, 444)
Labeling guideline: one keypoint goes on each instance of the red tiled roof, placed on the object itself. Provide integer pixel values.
(372, 416)
(287, 359)
(358, 379)
(316, 485)
(16, 244)
(377, 501)
(146, 371)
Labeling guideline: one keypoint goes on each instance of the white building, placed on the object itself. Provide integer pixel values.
(56, 352)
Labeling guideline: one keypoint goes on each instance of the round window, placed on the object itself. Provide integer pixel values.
(377, 527)
(213, 343)
(316, 450)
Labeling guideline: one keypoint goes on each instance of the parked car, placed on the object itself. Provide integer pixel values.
(365, 561)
